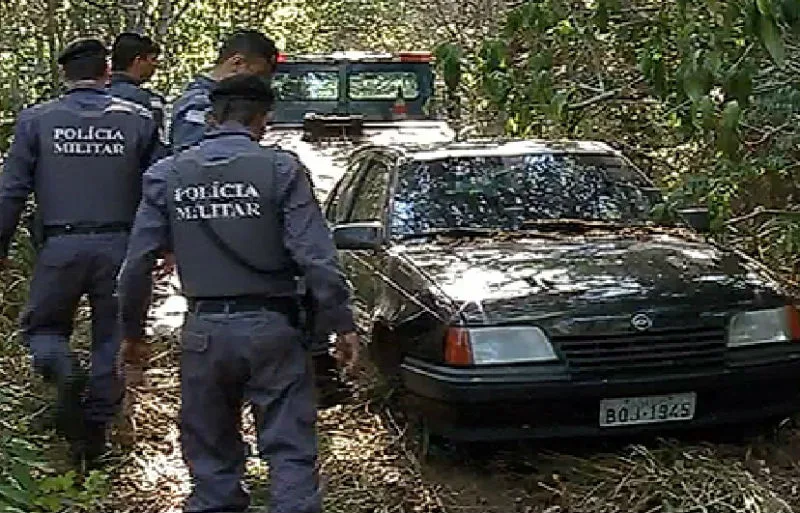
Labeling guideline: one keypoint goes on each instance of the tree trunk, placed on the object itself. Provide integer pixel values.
(52, 29)
(165, 12)
(129, 13)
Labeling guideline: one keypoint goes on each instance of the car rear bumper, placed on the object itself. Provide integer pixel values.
(490, 404)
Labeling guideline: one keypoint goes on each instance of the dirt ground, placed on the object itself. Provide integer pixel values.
(370, 463)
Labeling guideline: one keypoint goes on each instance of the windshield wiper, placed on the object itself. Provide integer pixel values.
(458, 231)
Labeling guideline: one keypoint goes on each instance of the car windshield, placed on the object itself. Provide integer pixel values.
(508, 192)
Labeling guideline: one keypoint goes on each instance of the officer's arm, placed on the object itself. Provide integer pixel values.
(16, 180)
(189, 121)
(157, 103)
(154, 150)
(149, 236)
(310, 243)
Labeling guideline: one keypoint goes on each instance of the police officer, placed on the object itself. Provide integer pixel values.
(245, 51)
(83, 155)
(134, 59)
(243, 222)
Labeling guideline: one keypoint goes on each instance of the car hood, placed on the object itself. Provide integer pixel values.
(494, 281)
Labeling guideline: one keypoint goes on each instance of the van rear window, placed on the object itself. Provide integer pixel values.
(383, 85)
(307, 86)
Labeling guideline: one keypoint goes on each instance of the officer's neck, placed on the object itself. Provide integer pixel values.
(237, 127)
(86, 84)
(133, 77)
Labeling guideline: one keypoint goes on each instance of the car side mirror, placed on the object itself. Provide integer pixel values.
(358, 236)
(698, 218)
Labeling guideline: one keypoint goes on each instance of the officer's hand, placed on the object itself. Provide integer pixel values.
(347, 350)
(166, 268)
(133, 354)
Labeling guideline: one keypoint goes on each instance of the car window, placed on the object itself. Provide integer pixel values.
(308, 86)
(345, 190)
(331, 202)
(383, 85)
(371, 192)
(503, 192)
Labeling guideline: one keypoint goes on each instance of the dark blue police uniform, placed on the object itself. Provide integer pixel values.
(83, 156)
(240, 341)
(188, 128)
(189, 113)
(123, 85)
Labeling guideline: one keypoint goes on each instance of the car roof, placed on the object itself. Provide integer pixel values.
(501, 148)
(406, 57)
(327, 159)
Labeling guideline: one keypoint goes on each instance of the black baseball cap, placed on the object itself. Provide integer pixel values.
(80, 48)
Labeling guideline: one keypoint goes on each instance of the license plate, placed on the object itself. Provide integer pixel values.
(628, 411)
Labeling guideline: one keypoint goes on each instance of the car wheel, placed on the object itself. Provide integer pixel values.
(430, 446)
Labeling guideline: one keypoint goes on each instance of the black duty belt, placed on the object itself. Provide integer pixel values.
(284, 305)
(76, 229)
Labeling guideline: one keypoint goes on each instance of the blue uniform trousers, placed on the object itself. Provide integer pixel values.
(228, 359)
(69, 266)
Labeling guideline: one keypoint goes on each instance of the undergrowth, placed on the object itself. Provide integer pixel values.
(33, 478)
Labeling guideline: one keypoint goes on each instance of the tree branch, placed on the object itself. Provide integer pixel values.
(105, 10)
(759, 211)
(602, 96)
(188, 5)
(767, 135)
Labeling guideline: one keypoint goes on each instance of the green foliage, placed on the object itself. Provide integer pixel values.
(702, 94)
(27, 481)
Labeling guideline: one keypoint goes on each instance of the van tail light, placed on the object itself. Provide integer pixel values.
(399, 110)
(793, 321)
(411, 56)
(457, 347)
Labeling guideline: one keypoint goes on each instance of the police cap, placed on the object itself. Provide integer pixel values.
(82, 48)
(243, 87)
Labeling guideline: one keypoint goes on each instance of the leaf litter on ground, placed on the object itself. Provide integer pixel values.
(369, 461)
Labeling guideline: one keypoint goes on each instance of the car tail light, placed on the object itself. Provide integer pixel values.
(793, 322)
(281, 57)
(457, 347)
(399, 109)
(414, 56)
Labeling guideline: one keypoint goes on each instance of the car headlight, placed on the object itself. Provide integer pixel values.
(764, 327)
(492, 345)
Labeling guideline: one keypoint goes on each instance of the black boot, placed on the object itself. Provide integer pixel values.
(88, 452)
(69, 406)
(97, 444)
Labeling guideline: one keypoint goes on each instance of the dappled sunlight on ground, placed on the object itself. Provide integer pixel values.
(369, 461)
(154, 477)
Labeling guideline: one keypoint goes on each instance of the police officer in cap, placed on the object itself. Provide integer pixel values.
(83, 156)
(243, 222)
(243, 52)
